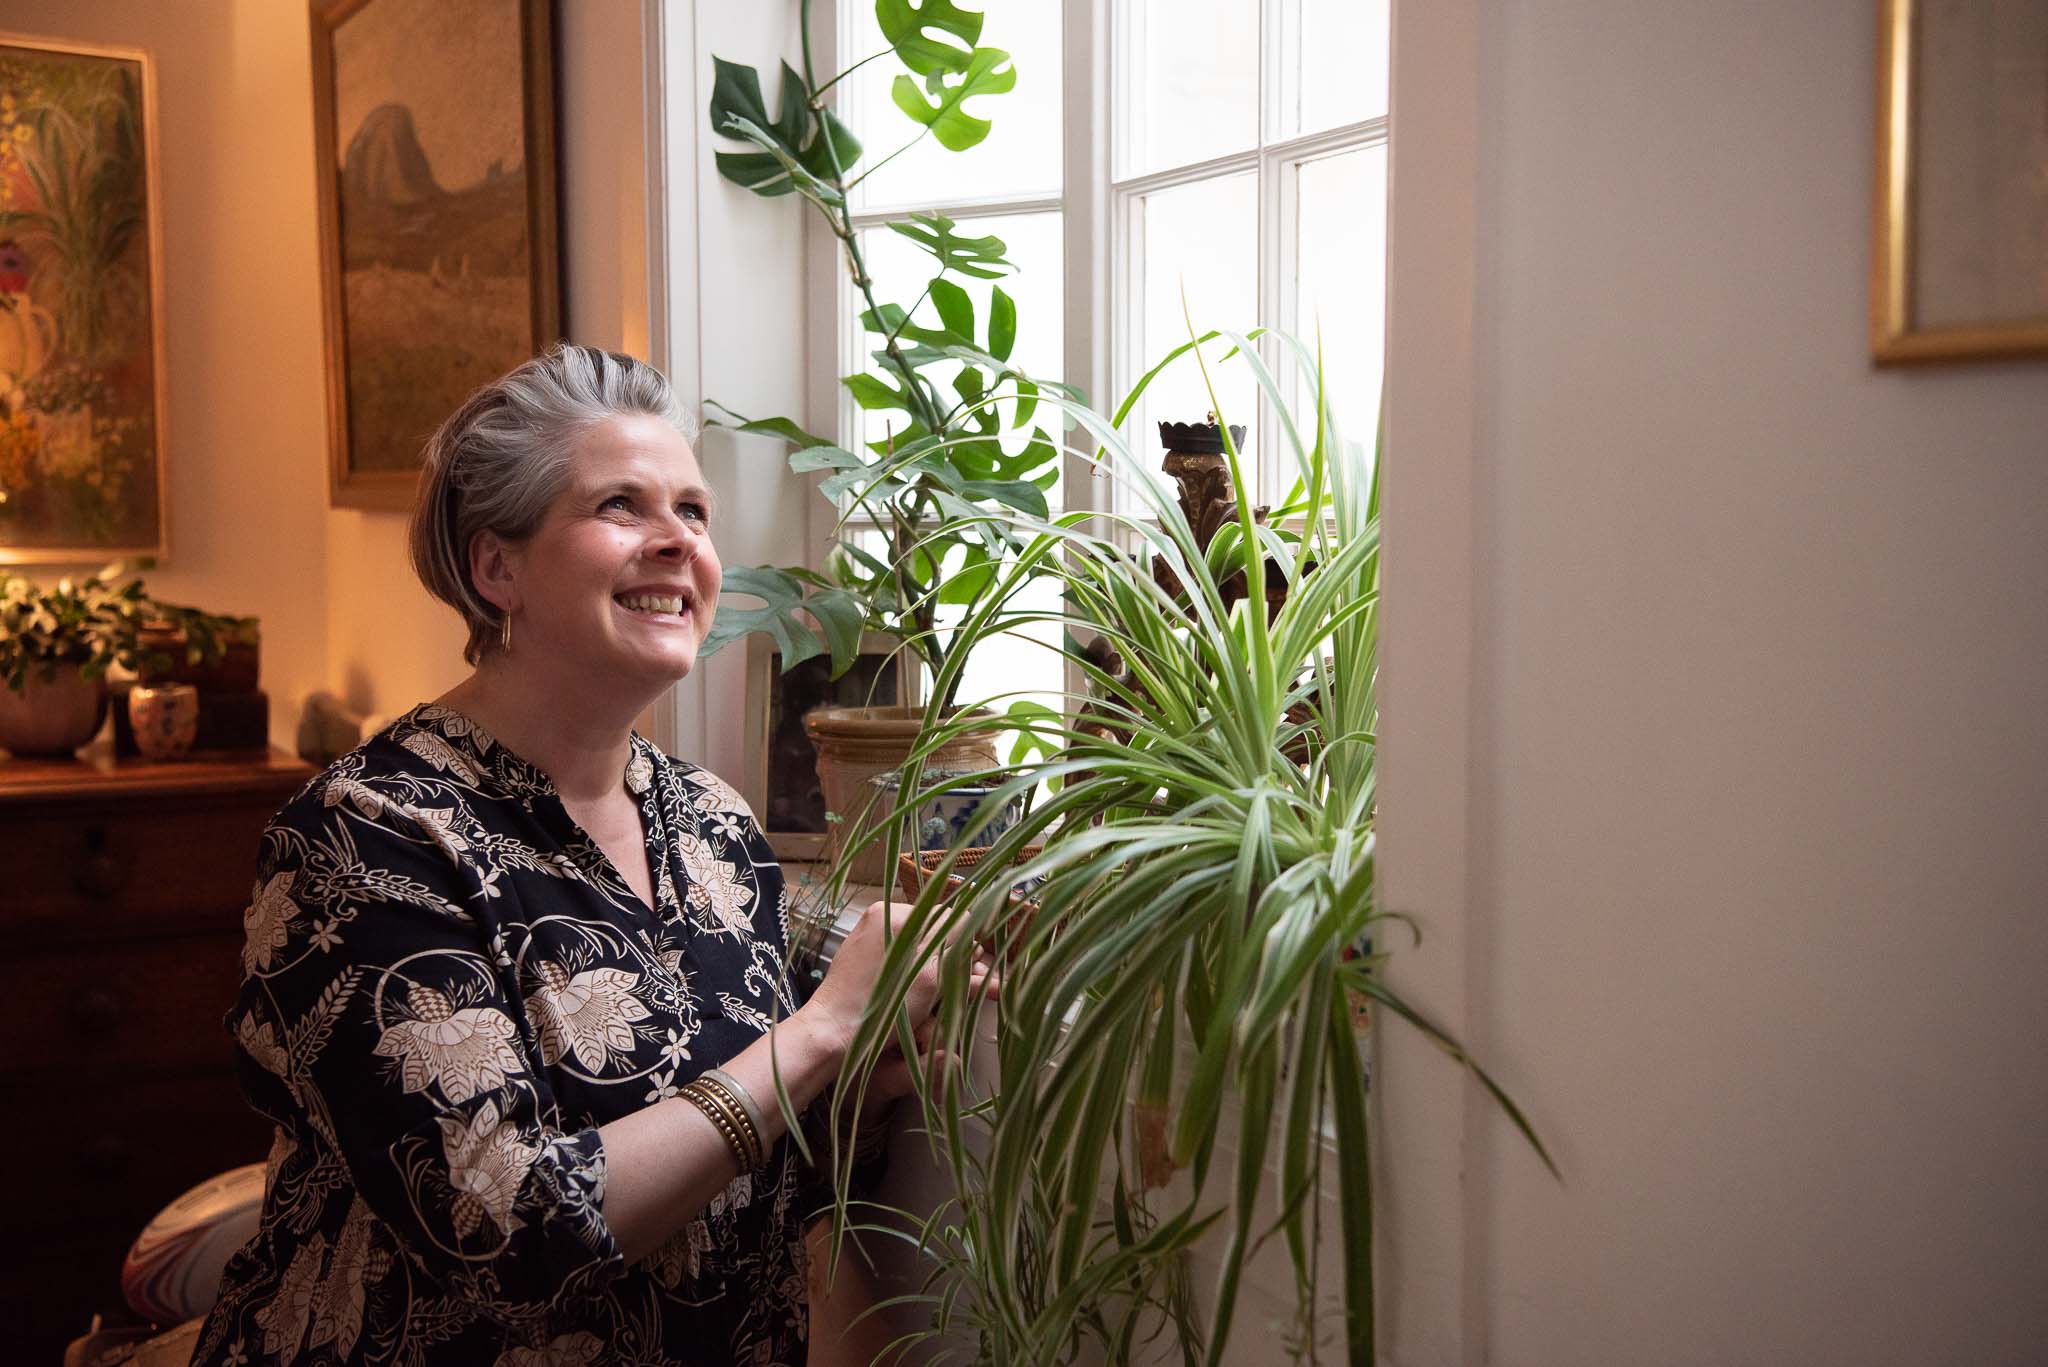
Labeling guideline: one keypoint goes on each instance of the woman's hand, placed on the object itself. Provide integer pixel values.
(849, 985)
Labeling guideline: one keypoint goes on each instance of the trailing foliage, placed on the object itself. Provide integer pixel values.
(96, 622)
(1205, 927)
(962, 436)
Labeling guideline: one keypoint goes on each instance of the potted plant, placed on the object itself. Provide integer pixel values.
(965, 426)
(209, 650)
(55, 647)
(1202, 923)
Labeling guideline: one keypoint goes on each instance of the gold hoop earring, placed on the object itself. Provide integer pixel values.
(505, 633)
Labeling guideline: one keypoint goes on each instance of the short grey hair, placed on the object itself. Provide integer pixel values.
(499, 460)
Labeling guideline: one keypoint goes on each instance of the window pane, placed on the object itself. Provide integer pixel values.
(1333, 63)
(1195, 68)
(1201, 239)
(1021, 154)
(901, 270)
(1022, 664)
(1341, 287)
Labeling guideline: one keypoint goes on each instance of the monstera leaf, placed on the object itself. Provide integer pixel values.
(838, 612)
(988, 72)
(980, 257)
(907, 25)
(794, 154)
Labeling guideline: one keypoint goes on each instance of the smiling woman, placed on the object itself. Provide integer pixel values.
(515, 990)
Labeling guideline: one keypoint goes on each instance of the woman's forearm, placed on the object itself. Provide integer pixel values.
(664, 1164)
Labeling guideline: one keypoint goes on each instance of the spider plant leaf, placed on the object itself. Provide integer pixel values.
(1354, 1182)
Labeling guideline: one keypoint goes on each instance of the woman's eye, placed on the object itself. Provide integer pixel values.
(694, 512)
(616, 501)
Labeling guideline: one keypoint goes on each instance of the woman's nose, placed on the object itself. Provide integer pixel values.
(679, 538)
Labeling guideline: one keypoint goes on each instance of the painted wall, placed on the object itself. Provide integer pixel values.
(1715, 760)
(251, 530)
(391, 644)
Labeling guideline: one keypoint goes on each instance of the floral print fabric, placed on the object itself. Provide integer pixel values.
(447, 989)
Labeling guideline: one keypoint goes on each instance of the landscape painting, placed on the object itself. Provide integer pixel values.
(81, 350)
(435, 125)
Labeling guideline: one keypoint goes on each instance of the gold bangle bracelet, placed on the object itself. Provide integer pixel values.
(736, 1111)
(703, 1099)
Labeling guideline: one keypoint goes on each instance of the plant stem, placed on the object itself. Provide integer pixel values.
(820, 91)
(925, 405)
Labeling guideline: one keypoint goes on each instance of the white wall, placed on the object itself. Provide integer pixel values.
(732, 286)
(1715, 757)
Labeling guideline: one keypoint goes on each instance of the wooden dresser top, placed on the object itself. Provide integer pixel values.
(97, 774)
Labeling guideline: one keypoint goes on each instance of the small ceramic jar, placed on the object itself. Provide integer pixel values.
(165, 717)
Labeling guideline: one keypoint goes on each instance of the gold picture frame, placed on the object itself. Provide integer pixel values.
(434, 143)
(1959, 267)
(777, 773)
(84, 438)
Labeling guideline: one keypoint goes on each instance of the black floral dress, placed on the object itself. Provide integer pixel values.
(447, 989)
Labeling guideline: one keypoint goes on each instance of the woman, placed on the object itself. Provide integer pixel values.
(494, 952)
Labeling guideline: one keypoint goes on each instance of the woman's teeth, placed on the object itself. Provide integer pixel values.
(648, 602)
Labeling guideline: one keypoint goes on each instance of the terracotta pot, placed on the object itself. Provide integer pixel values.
(52, 717)
(854, 744)
(165, 718)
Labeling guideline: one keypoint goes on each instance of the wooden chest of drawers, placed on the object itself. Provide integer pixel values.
(121, 890)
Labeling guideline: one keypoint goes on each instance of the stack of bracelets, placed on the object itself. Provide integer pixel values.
(731, 1111)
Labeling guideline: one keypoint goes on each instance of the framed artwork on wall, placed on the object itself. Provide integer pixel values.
(82, 474)
(780, 780)
(1960, 260)
(434, 136)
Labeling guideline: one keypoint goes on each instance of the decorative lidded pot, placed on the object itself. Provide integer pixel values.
(165, 717)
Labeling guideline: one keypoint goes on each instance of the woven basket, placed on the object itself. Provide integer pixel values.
(912, 870)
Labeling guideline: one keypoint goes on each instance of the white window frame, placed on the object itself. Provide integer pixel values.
(1275, 162)
(1103, 214)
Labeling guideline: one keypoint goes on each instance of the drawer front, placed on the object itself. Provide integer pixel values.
(103, 1159)
(133, 1009)
(90, 872)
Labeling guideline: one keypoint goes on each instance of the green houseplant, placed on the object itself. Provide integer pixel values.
(1204, 934)
(964, 423)
(56, 645)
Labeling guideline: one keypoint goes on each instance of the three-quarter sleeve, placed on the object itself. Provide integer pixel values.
(379, 1005)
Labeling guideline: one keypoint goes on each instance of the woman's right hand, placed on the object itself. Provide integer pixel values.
(849, 982)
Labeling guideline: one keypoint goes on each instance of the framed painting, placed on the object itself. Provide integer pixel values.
(434, 136)
(81, 305)
(1960, 262)
(780, 765)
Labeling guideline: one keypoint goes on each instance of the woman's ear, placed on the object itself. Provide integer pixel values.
(494, 569)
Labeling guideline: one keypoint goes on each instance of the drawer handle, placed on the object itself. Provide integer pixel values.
(103, 872)
(97, 1012)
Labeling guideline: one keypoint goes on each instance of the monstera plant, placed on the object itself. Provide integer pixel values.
(966, 429)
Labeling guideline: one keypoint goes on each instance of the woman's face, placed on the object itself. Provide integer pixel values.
(620, 579)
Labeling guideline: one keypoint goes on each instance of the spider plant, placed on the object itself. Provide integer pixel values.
(1204, 934)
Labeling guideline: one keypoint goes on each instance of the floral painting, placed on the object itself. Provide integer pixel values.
(81, 465)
